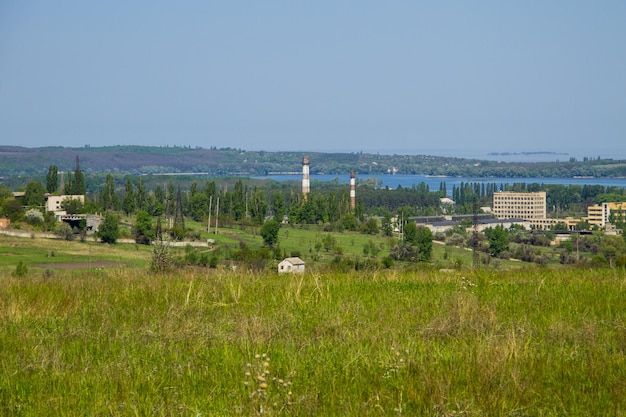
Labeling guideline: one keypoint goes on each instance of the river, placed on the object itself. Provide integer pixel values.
(407, 181)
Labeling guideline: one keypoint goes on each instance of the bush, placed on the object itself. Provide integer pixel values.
(21, 270)
(33, 217)
(64, 231)
(162, 261)
(109, 230)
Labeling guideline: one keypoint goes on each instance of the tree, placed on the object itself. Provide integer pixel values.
(239, 201)
(559, 226)
(52, 179)
(144, 232)
(109, 229)
(141, 194)
(278, 206)
(269, 232)
(72, 205)
(129, 203)
(13, 209)
(612, 247)
(424, 240)
(107, 196)
(199, 206)
(68, 186)
(410, 233)
(34, 194)
(386, 225)
(258, 206)
(498, 240)
(79, 187)
(370, 226)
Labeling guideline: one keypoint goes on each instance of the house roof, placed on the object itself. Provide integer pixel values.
(294, 260)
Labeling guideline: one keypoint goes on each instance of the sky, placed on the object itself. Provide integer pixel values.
(453, 78)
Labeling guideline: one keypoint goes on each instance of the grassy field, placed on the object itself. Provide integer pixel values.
(41, 254)
(522, 342)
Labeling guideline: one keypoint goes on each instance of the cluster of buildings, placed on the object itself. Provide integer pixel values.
(527, 209)
(531, 206)
(54, 203)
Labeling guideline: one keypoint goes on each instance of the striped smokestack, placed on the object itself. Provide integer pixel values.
(306, 182)
(352, 190)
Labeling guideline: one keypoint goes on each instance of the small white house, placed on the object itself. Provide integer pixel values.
(292, 265)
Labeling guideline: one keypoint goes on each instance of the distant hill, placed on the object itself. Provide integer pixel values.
(20, 161)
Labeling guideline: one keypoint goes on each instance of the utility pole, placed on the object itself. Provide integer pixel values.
(208, 226)
(217, 213)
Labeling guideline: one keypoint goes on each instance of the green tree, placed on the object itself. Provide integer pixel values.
(129, 203)
(109, 229)
(52, 179)
(199, 206)
(13, 209)
(68, 186)
(34, 194)
(612, 247)
(141, 194)
(258, 205)
(144, 232)
(370, 226)
(269, 232)
(386, 227)
(410, 233)
(72, 205)
(238, 201)
(108, 196)
(424, 240)
(498, 240)
(278, 206)
(80, 187)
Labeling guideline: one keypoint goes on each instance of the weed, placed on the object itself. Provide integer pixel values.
(267, 394)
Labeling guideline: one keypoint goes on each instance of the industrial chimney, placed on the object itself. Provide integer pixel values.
(352, 190)
(306, 182)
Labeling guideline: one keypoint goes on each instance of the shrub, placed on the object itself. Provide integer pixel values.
(20, 270)
(162, 260)
(33, 216)
(109, 230)
(64, 231)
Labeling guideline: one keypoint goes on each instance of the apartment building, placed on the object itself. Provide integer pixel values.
(526, 206)
(602, 214)
(54, 203)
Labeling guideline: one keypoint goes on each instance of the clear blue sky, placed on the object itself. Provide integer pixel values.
(446, 77)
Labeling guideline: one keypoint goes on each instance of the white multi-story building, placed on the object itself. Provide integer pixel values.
(600, 215)
(54, 203)
(526, 206)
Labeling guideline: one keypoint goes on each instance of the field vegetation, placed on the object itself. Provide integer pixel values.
(124, 341)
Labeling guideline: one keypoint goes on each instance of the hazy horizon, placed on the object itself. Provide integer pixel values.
(442, 78)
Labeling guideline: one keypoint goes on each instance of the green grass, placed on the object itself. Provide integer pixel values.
(55, 251)
(488, 342)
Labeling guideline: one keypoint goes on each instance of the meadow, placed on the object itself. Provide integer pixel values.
(212, 342)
